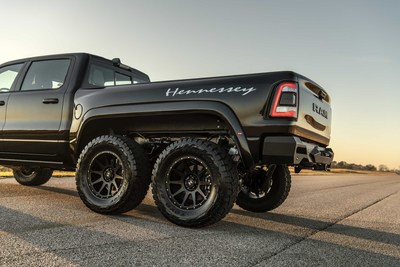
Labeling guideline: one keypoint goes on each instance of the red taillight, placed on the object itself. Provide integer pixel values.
(285, 101)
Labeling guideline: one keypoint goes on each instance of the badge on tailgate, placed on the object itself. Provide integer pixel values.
(317, 109)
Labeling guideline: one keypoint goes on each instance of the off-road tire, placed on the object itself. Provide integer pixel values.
(133, 169)
(32, 176)
(220, 175)
(281, 183)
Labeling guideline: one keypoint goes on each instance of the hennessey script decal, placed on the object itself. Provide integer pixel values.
(242, 90)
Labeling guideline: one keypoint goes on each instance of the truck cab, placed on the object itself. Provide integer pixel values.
(37, 103)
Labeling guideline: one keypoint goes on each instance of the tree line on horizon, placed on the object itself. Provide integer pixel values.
(360, 167)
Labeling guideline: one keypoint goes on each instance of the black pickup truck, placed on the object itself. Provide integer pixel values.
(202, 143)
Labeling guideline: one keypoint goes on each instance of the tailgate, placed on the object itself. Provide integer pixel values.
(315, 111)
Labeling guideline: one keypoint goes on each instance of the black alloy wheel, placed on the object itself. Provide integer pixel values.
(113, 174)
(261, 194)
(188, 183)
(195, 182)
(106, 175)
(32, 176)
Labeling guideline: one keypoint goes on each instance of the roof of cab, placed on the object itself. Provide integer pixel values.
(78, 56)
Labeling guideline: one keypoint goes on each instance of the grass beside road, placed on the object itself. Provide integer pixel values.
(339, 172)
(6, 172)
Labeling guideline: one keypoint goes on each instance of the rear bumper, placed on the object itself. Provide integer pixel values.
(292, 150)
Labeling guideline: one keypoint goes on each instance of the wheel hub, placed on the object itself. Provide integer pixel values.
(191, 182)
(106, 175)
(27, 171)
(109, 174)
(257, 183)
(188, 183)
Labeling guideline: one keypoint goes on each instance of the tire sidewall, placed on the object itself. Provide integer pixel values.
(161, 175)
(273, 198)
(128, 164)
(38, 176)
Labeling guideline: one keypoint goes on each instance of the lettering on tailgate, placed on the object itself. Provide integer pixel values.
(320, 111)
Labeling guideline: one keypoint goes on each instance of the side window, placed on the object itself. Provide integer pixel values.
(121, 79)
(103, 76)
(48, 74)
(7, 76)
(100, 76)
(137, 79)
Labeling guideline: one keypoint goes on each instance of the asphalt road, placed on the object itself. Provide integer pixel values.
(326, 221)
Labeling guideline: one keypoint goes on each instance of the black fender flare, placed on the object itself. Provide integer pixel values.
(212, 107)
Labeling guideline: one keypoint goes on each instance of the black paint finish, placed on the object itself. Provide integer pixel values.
(40, 127)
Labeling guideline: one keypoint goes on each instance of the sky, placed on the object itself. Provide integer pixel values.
(351, 48)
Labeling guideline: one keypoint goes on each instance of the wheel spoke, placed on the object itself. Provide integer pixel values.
(202, 172)
(109, 190)
(115, 186)
(181, 174)
(185, 198)
(101, 165)
(116, 164)
(118, 169)
(118, 177)
(201, 193)
(97, 172)
(196, 168)
(180, 182)
(187, 167)
(98, 181)
(179, 191)
(108, 160)
(193, 198)
(102, 187)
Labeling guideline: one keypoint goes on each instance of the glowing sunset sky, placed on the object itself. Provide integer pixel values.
(351, 48)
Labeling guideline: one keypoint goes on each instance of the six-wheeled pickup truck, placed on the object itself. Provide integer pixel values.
(203, 144)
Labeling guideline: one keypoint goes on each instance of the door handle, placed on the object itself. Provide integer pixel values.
(50, 101)
(2, 103)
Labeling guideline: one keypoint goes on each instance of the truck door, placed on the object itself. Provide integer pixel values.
(8, 78)
(31, 129)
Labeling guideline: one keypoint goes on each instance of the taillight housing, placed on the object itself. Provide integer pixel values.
(285, 102)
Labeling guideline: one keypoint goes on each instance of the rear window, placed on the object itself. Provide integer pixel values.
(105, 76)
(100, 76)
